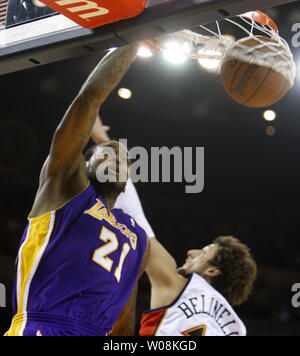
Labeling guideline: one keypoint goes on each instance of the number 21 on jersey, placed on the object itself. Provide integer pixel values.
(111, 244)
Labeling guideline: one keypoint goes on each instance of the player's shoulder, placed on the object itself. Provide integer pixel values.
(199, 283)
(204, 288)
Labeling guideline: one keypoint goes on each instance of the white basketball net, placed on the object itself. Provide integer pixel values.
(274, 54)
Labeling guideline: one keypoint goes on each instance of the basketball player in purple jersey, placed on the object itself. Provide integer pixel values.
(79, 259)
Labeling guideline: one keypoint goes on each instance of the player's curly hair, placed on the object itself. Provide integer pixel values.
(238, 270)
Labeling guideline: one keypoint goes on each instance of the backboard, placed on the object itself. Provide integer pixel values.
(35, 35)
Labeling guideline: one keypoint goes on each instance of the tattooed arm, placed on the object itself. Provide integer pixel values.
(65, 159)
(75, 129)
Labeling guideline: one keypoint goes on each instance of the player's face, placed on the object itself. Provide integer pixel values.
(198, 260)
(113, 163)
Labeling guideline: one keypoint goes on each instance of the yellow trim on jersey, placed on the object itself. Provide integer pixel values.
(30, 253)
(16, 325)
(160, 322)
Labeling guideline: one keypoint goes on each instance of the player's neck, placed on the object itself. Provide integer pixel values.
(110, 202)
(109, 197)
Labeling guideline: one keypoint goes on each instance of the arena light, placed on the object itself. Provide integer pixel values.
(125, 93)
(144, 52)
(270, 131)
(212, 63)
(212, 57)
(270, 115)
(176, 52)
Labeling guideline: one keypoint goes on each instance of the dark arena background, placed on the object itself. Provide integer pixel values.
(252, 174)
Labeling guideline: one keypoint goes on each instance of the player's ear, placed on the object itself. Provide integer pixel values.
(212, 272)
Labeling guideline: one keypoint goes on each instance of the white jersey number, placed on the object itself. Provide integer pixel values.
(101, 254)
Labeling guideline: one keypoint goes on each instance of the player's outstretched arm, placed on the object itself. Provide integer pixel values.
(64, 175)
(161, 268)
(166, 283)
(75, 129)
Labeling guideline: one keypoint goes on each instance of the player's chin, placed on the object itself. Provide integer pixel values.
(183, 271)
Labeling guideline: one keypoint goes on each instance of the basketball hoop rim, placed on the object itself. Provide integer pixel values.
(261, 18)
(256, 19)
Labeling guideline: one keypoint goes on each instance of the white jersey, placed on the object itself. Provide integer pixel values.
(199, 310)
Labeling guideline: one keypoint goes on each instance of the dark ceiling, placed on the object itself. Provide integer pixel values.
(251, 179)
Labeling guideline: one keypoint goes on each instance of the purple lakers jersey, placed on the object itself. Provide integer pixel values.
(76, 268)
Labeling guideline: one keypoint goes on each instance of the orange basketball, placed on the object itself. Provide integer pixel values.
(252, 85)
